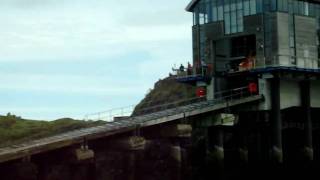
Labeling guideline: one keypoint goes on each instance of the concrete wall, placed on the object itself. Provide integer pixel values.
(271, 38)
(306, 42)
(283, 39)
(289, 93)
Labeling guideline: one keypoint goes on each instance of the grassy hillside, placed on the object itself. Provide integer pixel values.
(165, 91)
(14, 130)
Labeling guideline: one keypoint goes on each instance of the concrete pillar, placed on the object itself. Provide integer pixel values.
(276, 122)
(215, 152)
(19, 171)
(240, 136)
(92, 171)
(131, 168)
(210, 90)
(305, 103)
(176, 154)
(216, 149)
(177, 133)
(130, 146)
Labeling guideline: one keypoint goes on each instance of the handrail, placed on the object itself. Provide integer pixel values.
(127, 111)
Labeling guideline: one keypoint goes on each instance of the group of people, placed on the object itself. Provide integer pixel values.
(189, 69)
(203, 68)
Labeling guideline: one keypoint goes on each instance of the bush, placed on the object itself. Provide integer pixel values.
(8, 121)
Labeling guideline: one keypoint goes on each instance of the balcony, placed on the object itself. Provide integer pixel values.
(193, 75)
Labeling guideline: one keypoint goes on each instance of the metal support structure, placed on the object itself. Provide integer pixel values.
(276, 122)
(306, 106)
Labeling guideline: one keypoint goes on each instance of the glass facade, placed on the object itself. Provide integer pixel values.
(231, 14)
(233, 11)
(229, 11)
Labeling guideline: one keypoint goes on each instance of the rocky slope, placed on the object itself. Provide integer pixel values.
(165, 91)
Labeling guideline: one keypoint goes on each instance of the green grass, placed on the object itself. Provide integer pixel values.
(15, 130)
(165, 91)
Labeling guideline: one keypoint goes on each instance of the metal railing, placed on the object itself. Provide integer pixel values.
(169, 108)
(279, 60)
(112, 114)
(290, 61)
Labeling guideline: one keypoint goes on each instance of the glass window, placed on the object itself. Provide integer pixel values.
(259, 6)
(227, 6)
(306, 8)
(285, 5)
(233, 22)
(202, 19)
(209, 10)
(214, 13)
(233, 5)
(220, 9)
(280, 5)
(196, 17)
(317, 10)
(246, 7)
(311, 9)
(240, 19)
(273, 5)
(253, 7)
(290, 6)
(239, 5)
(301, 8)
(227, 23)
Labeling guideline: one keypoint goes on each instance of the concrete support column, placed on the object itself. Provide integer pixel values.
(276, 122)
(130, 146)
(19, 171)
(92, 171)
(176, 154)
(210, 90)
(216, 152)
(131, 168)
(242, 147)
(178, 134)
(305, 103)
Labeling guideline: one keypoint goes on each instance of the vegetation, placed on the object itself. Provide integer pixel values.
(165, 91)
(15, 130)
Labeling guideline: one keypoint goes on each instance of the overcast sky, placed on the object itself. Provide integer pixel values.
(67, 58)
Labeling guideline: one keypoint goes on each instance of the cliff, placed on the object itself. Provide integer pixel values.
(165, 91)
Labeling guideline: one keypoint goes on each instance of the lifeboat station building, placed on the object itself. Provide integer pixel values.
(271, 46)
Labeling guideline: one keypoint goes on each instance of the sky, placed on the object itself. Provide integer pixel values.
(68, 58)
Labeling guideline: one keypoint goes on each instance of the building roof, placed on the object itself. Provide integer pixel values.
(191, 5)
(194, 2)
